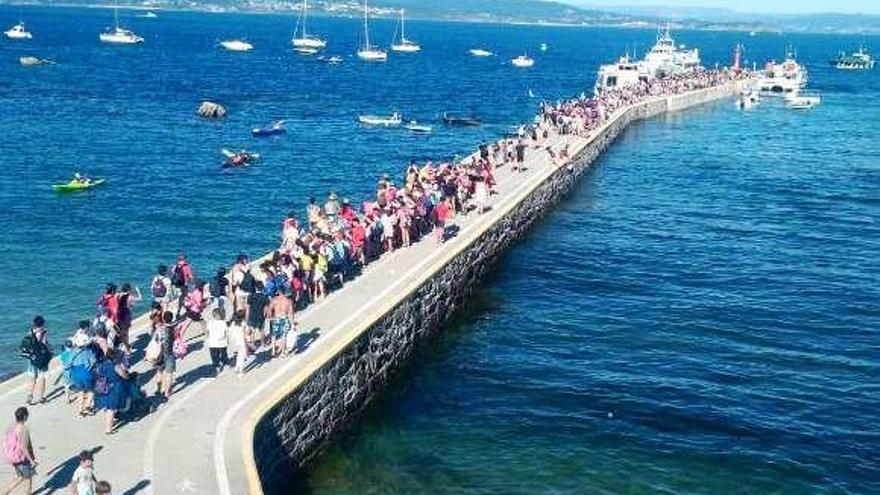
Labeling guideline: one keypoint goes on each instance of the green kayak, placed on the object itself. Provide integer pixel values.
(73, 185)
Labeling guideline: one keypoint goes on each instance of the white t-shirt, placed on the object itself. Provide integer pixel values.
(217, 334)
(84, 480)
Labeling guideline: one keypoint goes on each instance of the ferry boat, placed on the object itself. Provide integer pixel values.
(303, 39)
(786, 77)
(859, 60)
(237, 45)
(523, 62)
(663, 59)
(18, 32)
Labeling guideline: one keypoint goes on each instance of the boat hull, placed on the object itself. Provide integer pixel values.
(315, 43)
(372, 56)
(73, 186)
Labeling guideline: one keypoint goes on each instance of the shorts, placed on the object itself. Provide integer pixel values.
(169, 364)
(25, 470)
(37, 371)
(279, 327)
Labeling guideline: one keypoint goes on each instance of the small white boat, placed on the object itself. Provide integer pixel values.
(18, 32)
(148, 15)
(306, 50)
(418, 128)
(34, 61)
(523, 61)
(237, 45)
(803, 101)
(368, 52)
(479, 52)
(118, 35)
(302, 39)
(334, 60)
(404, 45)
(392, 120)
(543, 47)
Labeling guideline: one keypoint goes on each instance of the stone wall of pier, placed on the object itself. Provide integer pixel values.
(295, 429)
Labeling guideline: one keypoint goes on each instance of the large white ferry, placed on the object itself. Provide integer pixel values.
(663, 59)
(786, 77)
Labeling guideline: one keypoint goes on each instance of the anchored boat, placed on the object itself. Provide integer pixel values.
(858, 60)
(237, 45)
(404, 45)
(479, 52)
(368, 52)
(18, 32)
(304, 39)
(417, 128)
(392, 120)
(460, 121)
(118, 35)
(523, 62)
(275, 129)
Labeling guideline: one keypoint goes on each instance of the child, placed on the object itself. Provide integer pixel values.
(290, 343)
(218, 339)
(83, 481)
(238, 334)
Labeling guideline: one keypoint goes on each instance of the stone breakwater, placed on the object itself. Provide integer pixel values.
(290, 428)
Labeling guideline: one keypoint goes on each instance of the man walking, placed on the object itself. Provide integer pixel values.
(35, 348)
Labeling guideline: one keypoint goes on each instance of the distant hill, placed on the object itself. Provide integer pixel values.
(531, 11)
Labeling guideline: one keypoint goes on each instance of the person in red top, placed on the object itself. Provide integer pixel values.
(358, 239)
(442, 214)
(347, 212)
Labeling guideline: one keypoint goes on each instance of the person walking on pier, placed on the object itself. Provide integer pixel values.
(84, 481)
(218, 340)
(167, 362)
(35, 348)
(280, 315)
(19, 451)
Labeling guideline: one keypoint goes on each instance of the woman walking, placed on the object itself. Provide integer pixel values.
(110, 388)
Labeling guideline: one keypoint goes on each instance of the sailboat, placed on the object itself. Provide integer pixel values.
(304, 40)
(368, 52)
(404, 45)
(119, 35)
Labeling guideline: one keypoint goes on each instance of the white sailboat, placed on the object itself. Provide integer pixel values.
(368, 52)
(404, 45)
(18, 32)
(303, 39)
(119, 35)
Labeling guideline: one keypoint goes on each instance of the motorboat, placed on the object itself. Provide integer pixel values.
(334, 60)
(18, 32)
(748, 99)
(368, 52)
(479, 52)
(148, 15)
(28, 60)
(460, 121)
(306, 50)
(404, 45)
(414, 126)
(238, 159)
(858, 60)
(275, 129)
(119, 35)
(523, 62)
(543, 47)
(783, 78)
(392, 120)
(301, 37)
(803, 100)
(237, 45)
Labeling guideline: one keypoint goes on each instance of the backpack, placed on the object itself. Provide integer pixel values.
(35, 351)
(102, 385)
(27, 348)
(13, 450)
(247, 282)
(179, 348)
(177, 277)
(216, 288)
(158, 288)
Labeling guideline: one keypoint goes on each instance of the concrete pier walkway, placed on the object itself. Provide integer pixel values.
(202, 440)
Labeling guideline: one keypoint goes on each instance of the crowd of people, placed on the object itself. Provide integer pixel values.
(251, 307)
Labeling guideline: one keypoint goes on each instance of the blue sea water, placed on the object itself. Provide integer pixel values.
(700, 317)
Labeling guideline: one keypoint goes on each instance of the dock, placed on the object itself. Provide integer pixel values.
(232, 435)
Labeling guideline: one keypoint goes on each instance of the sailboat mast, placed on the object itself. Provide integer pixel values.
(366, 28)
(305, 14)
(402, 27)
(116, 15)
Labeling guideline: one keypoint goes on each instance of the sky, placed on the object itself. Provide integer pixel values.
(771, 6)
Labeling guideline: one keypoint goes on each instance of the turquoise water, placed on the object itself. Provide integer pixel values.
(700, 316)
